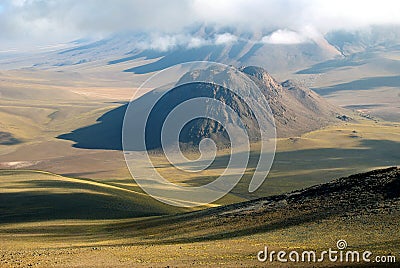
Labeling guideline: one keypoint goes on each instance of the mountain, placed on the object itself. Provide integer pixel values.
(372, 38)
(296, 110)
(278, 58)
(142, 53)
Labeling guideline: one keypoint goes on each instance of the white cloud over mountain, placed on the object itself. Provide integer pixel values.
(24, 22)
(284, 37)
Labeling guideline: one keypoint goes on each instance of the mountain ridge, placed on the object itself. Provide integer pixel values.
(296, 110)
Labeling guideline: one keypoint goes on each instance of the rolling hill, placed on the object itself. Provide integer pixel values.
(363, 209)
(34, 195)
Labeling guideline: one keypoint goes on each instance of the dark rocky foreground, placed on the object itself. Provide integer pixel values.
(354, 198)
(363, 209)
(371, 191)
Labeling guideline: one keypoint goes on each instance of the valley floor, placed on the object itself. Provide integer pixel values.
(64, 206)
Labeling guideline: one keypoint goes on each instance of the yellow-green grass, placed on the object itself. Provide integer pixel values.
(32, 195)
(312, 158)
(200, 238)
(92, 244)
(97, 203)
(36, 107)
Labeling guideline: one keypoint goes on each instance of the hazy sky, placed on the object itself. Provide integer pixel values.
(26, 23)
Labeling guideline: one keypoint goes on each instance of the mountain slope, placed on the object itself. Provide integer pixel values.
(362, 209)
(296, 110)
(199, 44)
(350, 198)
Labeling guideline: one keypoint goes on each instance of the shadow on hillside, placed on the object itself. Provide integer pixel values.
(26, 207)
(381, 152)
(362, 84)
(47, 199)
(179, 56)
(313, 205)
(329, 65)
(106, 134)
(8, 139)
(143, 129)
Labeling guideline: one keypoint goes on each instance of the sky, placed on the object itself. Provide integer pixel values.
(27, 23)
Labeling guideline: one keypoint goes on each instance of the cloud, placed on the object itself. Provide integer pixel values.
(285, 37)
(165, 42)
(225, 38)
(195, 42)
(24, 22)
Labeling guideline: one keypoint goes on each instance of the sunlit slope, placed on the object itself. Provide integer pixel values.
(363, 209)
(35, 195)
